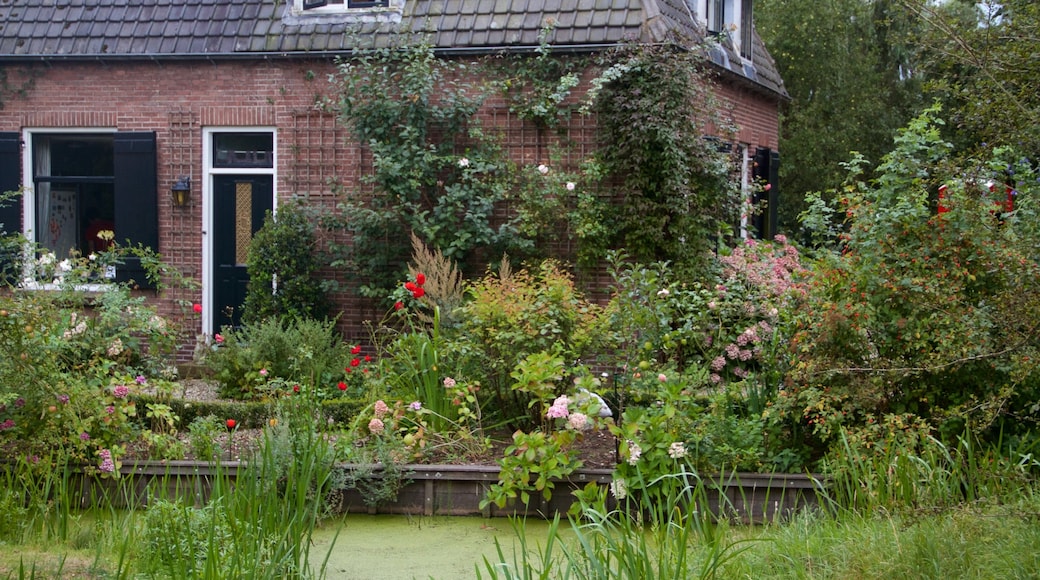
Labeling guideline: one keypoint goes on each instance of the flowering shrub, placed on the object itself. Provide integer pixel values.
(925, 316)
(514, 315)
(72, 361)
(535, 458)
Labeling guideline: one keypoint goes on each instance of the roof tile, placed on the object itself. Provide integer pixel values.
(113, 28)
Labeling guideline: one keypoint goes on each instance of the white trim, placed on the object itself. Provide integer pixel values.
(745, 189)
(208, 171)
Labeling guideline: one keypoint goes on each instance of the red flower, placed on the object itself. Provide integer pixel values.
(342, 386)
(197, 308)
(218, 338)
(356, 349)
(410, 286)
(420, 278)
(398, 305)
(348, 370)
(296, 388)
(231, 423)
(368, 358)
(355, 362)
(418, 293)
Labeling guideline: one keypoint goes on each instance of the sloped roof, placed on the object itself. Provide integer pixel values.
(158, 29)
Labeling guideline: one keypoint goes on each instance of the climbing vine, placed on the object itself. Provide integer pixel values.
(675, 190)
(655, 186)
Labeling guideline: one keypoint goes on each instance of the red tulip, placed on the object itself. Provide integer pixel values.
(231, 423)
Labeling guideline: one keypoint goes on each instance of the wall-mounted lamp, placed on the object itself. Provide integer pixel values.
(181, 191)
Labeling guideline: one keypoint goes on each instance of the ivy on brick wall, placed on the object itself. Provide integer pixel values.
(675, 190)
(655, 187)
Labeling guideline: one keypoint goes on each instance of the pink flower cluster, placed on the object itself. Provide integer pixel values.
(121, 391)
(381, 409)
(107, 465)
(559, 410)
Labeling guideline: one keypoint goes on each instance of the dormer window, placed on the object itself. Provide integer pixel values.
(729, 18)
(338, 5)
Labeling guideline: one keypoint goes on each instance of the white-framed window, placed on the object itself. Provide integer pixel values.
(79, 183)
(335, 6)
(72, 194)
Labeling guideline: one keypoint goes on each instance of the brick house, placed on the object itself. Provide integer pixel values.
(112, 109)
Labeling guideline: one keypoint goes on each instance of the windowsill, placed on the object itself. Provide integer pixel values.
(88, 288)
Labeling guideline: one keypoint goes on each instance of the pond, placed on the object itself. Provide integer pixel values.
(390, 547)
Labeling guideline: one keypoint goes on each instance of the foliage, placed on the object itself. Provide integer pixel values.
(435, 175)
(283, 269)
(513, 315)
(74, 359)
(275, 357)
(537, 458)
(530, 465)
(643, 539)
(202, 432)
(976, 57)
(850, 69)
(260, 523)
(674, 192)
(923, 315)
(538, 86)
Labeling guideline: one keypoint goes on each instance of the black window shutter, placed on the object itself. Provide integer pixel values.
(767, 163)
(136, 200)
(11, 210)
(774, 191)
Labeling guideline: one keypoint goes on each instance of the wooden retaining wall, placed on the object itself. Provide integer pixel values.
(455, 490)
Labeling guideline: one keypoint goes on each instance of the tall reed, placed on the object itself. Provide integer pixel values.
(675, 536)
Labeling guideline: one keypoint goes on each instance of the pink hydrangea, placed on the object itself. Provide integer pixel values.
(559, 410)
(107, 465)
(121, 391)
(718, 363)
(578, 421)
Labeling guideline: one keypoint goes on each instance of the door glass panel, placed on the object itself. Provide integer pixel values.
(243, 220)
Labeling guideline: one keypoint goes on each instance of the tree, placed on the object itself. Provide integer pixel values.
(848, 67)
(979, 59)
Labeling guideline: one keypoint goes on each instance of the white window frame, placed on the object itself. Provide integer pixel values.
(207, 202)
(342, 8)
(747, 200)
(29, 281)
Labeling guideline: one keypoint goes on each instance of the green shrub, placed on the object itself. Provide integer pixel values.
(255, 361)
(283, 269)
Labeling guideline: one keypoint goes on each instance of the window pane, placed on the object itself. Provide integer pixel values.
(243, 150)
(74, 192)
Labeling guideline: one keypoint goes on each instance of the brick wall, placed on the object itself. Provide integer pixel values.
(178, 99)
